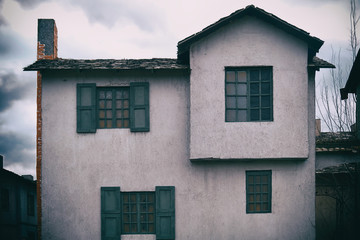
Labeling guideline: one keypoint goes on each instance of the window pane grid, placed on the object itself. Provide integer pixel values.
(113, 107)
(258, 191)
(138, 213)
(248, 94)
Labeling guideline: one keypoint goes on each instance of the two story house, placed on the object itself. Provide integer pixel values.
(218, 143)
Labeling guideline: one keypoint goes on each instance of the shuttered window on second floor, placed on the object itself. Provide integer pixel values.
(113, 107)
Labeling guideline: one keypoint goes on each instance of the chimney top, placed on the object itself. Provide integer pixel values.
(47, 39)
(28, 177)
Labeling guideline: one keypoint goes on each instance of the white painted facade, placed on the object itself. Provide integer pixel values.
(187, 122)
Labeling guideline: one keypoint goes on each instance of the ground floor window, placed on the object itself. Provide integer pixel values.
(258, 191)
(138, 212)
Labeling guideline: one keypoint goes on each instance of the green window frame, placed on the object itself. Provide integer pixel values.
(113, 107)
(258, 191)
(248, 94)
(138, 213)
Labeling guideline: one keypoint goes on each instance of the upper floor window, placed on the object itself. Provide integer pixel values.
(113, 107)
(248, 94)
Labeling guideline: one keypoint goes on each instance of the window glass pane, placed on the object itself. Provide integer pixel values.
(265, 207)
(264, 179)
(265, 88)
(251, 207)
(119, 123)
(254, 88)
(251, 197)
(126, 123)
(254, 102)
(265, 101)
(118, 113)
(230, 115)
(251, 179)
(241, 89)
(126, 93)
(265, 74)
(251, 188)
(241, 102)
(126, 104)
(258, 197)
(254, 115)
(102, 104)
(231, 102)
(126, 113)
(108, 94)
(108, 104)
(101, 123)
(109, 123)
(241, 76)
(151, 208)
(102, 114)
(254, 75)
(119, 94)
(108, 114)
(118, 104)
(258, 207)
(151, 228)
(230, 76)
(257, 179)
(265, 197)
(102, 94)
(242, 115)
(264, 188)
(257, 188)
(230, 89)
(265, 114)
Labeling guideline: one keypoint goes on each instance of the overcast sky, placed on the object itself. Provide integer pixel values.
(123, 29)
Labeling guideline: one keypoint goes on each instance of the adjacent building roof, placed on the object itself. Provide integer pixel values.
(337, 142)
(107, 64)
(313, 42)
(353, 80)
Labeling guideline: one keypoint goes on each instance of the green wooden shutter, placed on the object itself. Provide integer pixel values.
(86, 113)
(139, 107)
(110, 213)
(165, 213)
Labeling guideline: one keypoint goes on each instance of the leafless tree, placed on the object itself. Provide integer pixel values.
(339, 115)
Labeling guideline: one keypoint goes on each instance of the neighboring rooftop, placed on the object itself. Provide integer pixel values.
(353, 80)
(342, 168)
(107, 64)
(337, 142)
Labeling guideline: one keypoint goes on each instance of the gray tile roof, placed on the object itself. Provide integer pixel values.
(337, 142)
(314, 43)
(319, 63)
(107, 64)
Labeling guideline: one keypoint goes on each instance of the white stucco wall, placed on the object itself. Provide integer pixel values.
(210, 197)
(249, 42)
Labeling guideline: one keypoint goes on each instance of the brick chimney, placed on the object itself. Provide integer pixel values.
(47, 39)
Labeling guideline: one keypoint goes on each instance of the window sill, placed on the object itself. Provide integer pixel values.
(138, 237)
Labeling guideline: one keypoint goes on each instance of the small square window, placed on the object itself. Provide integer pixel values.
(258, 191)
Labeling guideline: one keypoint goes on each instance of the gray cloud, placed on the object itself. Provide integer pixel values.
(30, 4)
(11, 89)
(142, 14)
(17, 149)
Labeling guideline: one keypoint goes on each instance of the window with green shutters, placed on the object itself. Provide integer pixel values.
(113, 107)
(248, 94)
(138, 212)
(258, 191)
